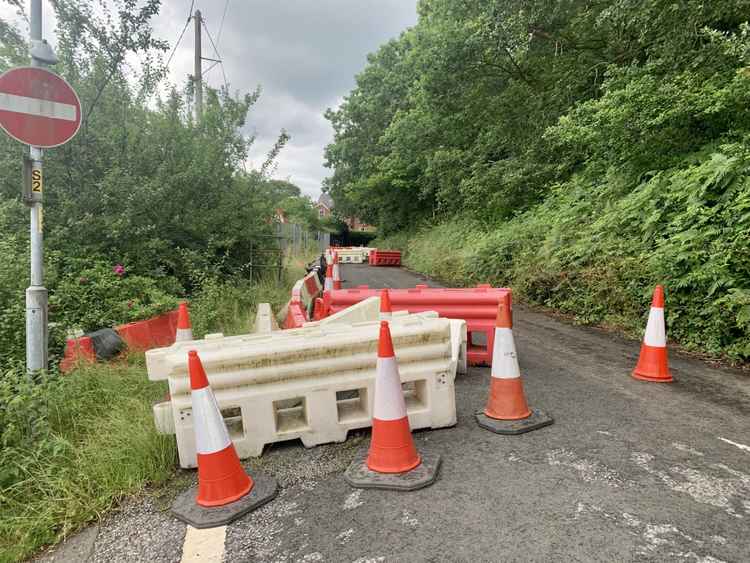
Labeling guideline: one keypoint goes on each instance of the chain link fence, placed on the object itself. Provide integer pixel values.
(289, 239)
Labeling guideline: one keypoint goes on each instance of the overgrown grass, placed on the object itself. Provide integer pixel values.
(229, 307)
(73, 446)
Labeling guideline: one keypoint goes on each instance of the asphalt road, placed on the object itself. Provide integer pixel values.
(630, 471)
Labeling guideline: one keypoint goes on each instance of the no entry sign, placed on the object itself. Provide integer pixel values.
(38, 108)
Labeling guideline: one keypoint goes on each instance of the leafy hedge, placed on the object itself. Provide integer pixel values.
(595, 252)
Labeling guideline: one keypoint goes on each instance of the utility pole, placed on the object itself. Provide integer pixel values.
(36, 293)
(198, 70)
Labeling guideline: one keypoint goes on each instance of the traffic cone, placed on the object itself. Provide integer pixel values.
(385, 305)
(507, 400)
(392, 448)
(328, 283)
(184, 328)
(221, 479)
(653, 364)
(225, 491)
(336, 272)
(507, 404)
(392, 460)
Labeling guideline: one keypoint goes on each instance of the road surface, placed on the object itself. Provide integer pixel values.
(630, 471)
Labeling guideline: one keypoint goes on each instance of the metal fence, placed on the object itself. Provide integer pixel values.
(290, 239)
(296, 239)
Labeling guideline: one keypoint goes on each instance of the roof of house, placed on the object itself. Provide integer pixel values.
(326, 200)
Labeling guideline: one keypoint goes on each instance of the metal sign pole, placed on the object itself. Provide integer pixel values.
(36, 293)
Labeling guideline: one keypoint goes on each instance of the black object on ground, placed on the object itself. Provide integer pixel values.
(186, 509)
(359, 476)
(107, 343)
(537, 419)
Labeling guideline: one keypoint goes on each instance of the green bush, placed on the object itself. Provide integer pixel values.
(595, 250)
(102, 295)
(13, 280)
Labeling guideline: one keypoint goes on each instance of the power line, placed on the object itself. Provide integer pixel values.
(218, 56)
(211, 67)
(221, 25)
(174, 49)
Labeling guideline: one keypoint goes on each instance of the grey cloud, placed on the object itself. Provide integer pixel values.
(303, 53)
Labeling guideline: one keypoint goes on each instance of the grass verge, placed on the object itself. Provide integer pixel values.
(74, 446)
(84, 441)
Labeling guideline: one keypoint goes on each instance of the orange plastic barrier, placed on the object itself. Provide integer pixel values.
(136, 335)
(77, 350)
(384, 258)
(156, 332)
(295, 313)
(476, 305)
(150, 333)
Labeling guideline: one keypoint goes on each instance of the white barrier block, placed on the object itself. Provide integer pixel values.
(369, 310)
(164, 418)
(366, 310)
(358, 255)
(459, 338)
(264, 320)
(314, 383)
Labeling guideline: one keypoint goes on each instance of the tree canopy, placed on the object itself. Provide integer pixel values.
(483, 106)
(142, 185)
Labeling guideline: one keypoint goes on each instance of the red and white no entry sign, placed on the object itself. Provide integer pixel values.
(38, 108)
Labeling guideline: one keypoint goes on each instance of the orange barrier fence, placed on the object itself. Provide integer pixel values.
(384, 257)
(140, 335)
(477, 306)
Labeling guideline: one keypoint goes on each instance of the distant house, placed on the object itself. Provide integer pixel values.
(324, 205)
(325, 209)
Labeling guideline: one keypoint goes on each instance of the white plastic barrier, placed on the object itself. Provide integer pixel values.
(314, 383)
(354, 255)
(369, 310)
(264, 320)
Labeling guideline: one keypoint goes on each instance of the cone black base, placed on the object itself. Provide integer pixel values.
(359, 476)
(537, 419)
(186, 509)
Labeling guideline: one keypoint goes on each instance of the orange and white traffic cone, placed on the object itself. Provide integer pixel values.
(386, 312)
(328, 283)
(653, 364)
(507, 411)
(221, 479)
(336, 272)
(392, 447)
(392, 461)
(222, 482)
(184, 330)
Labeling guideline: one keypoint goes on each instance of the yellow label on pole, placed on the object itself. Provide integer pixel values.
(37, 181)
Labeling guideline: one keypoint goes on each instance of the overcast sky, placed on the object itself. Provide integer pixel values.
(303, 53)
